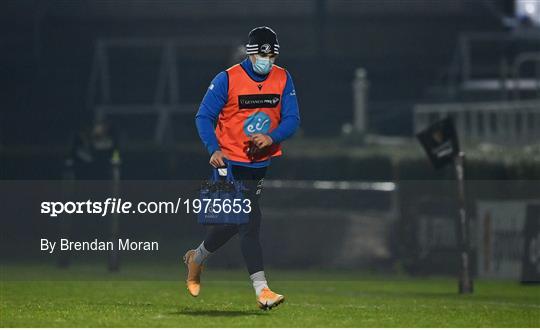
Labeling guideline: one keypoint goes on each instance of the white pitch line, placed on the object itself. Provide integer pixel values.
(332, 185)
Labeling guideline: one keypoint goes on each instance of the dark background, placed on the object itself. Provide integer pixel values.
(408, 49)
(405, 46)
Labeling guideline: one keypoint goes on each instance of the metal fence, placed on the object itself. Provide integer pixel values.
(493, 122)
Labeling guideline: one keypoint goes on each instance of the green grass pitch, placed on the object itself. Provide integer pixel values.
(42, 296)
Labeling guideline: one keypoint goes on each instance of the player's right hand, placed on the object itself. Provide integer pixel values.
(217, 159)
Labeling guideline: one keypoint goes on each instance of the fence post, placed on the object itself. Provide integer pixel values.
(360, 87)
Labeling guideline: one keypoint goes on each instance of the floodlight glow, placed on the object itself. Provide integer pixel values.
(530, 9)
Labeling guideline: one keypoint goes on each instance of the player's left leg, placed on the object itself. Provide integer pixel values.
(250, 239)
(252, 252)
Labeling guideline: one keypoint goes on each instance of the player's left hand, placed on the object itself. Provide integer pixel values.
(261, 140)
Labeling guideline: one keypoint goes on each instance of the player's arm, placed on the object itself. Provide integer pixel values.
(213, 102)
(290, 118)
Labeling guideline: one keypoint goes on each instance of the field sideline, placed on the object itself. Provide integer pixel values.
(314, 299)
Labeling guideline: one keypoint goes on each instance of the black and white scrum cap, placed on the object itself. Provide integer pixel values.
(262, 40)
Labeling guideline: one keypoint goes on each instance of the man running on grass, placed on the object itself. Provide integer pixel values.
(254, 103)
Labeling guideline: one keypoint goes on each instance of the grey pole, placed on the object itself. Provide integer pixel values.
(360, 88)
(114, 258)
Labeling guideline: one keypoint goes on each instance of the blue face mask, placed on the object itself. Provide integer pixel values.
(262, 65)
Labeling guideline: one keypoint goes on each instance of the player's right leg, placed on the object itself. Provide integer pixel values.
(216, 237)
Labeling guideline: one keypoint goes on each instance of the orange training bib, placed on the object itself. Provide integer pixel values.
(252, 107)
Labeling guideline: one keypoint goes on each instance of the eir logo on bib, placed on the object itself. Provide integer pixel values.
(258, 122)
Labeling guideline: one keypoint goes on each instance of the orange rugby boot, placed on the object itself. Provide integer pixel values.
(193, 281)
(268, 299)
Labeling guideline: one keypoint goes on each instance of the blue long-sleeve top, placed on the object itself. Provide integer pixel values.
(216, 97)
